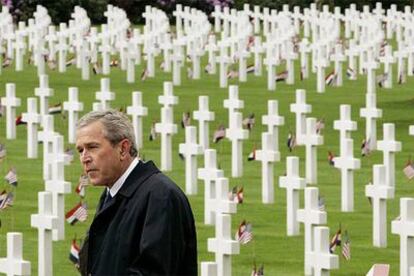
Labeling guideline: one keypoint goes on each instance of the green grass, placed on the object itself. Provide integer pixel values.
(281, 255)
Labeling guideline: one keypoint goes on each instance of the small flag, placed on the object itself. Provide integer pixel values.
(182, 157)
(401, 79)
(252, 155)
(249, 121)
(77, 213)
(207, 68)
(83, 182)
(70, 62)
(320, 124)
(3, 151)
(189, 72)
(346, 247)
(236, 194)
(365, 149)
(350, 73)
(250, 69)
(96, 68)
(331, 157)
(19, 121)
(6, 200)
(162, 65)
(153, 133)
(321, 204)
(409, 169)
(55, 109)
(291, 141)
(302, 73)
(219, 134)
(51, 64)
(258, 272)
(282, 76)
(74, 253)
(244, 233)
(232, 74)
(186, 120)
(7, 62)
(114, 63)
(144, 74)
(330, 78)
(381, 79)
(335, 241)
(11, 177)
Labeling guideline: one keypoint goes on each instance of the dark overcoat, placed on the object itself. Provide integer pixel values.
(147, 229)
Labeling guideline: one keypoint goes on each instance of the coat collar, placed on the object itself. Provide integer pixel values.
(138, 175)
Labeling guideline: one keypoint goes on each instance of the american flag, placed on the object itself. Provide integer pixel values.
(11, 177)
(3, 151)
(330, 78)
(144, 74)
(331, 157)
(381, 79)
(186, 120)
(282, 76)
(335, 241)
(321, 204)
(55, 109)
(291, 141)
(252, 155)
(302, 73)
(409, 170)
(74, 253)
(77, 213)
(365, 149)
(249, 121)
(257, 272)
(320, 124)
(244, 233)
(346, 247)
(219, 134)
(236, 194)
(153, 133)
(350, 73)
(83, 182)
(6, 199)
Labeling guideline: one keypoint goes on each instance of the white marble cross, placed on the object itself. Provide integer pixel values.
(258, 51)
(291, 56)
(46, 136)
(300, 108)
(292, 182)
(105, 96)
(45, 222)
(137, 111)
(235, 133)
(209, 174)
(371, 113)
(203, 115)
(310, 216)
(268, 155)
(44, 93)
(167, 129)
(273, 120)
(321, 63)
(190, 149)
(404, 227)
(58, 186)
(168, 99)
(73, 107)
(11, 102)
(379, 192)
(223, 245)
(352, 52)
(304, 49)
(371, 65)
(338, 58)
(347, 164)
(271, 61)
(321, 259)
(388, 59)
(233, 103)
(14, 264)
(389, 146)
(32, 119)
(344, 125)
(311, 140)
(224, 60)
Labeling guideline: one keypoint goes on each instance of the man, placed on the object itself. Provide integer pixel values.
(144, 224)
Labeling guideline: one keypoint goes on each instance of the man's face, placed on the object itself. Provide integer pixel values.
(100, 160)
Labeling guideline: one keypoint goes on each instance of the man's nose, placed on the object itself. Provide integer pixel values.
(85, 157)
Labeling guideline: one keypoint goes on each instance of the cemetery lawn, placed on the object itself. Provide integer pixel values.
(280, 255)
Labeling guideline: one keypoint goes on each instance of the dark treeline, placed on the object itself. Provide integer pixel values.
(61, 10)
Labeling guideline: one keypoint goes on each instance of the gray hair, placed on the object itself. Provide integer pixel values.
(117, 127)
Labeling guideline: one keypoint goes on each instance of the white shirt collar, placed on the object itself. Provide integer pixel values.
(118, 184)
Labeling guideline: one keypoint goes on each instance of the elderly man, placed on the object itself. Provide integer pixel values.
(144, 224)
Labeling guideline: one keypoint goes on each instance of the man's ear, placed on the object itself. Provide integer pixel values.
(124, 147)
